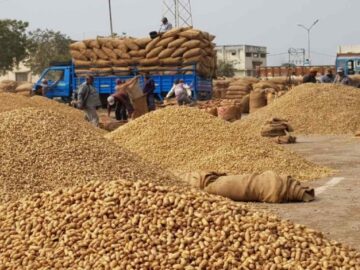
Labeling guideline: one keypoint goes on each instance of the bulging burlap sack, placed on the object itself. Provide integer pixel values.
(101, 54)
(119, 52)
(140, 53)
(142, 42)
(8, 86)
(152, 44)
(78, 55)
(191, 34)
(130, 43)
(172, 33)
(102, 71)
(82, 64)
(167, 53)
(90, 54)
(191, 44)
(192, 60)
(125, 56)
(179, 52)
(106, 42)
(266, 187)
(177, 43)
(287, 139)
(150, 61)
(110, 53)
(200, 179)
(229, 113)
(154, 52)
(194, 52)
(92, 43)
(102, 63)
(120, 63)
(78, 46)
(257, 100)
(171, 61)
(25, 87)
(245, 107)
(164, 42)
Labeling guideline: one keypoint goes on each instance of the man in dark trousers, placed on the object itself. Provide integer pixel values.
(148, 90)
(121, 100)
(311, 77)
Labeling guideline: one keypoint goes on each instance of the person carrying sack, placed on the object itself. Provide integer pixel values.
(88, 100)
(182, 93)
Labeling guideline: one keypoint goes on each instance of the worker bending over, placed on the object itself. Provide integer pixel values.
(182, 92)
(88, 100)
(341, 78)
(121, 100)
(328, 77)
(311, 77)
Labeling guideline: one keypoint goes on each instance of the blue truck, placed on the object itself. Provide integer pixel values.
(348, 58)
(64, 82)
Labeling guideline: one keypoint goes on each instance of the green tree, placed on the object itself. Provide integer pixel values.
(225, 69)
(12, 43)
(46, 46)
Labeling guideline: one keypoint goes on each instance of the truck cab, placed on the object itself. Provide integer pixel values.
(349, 62)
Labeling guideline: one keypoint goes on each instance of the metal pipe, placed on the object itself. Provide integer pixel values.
(110, 15)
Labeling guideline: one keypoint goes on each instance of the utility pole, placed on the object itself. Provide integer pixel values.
(308, 29)
(110, 15)
(179, 11)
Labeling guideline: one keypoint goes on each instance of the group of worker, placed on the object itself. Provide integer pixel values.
(329, 77)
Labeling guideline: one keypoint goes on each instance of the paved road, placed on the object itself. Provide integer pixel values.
(336, 212)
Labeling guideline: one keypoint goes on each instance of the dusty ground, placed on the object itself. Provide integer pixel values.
(336, 211)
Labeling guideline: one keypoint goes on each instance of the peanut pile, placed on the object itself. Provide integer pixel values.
(44, 150)
(136, 225)
(187, 139)
(323, 109)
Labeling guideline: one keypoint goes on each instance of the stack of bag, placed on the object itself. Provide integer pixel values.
(279, 130)
(220, 88)
(176, 50)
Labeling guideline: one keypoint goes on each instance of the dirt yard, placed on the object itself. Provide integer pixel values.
(336, 210)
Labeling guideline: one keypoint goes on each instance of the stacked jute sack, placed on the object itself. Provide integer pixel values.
(22, 88)
(228, 110)
(176, 50)
(220, 87)
(279, 130)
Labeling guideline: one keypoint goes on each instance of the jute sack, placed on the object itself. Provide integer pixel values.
(171, 61)
(277, 120)
(78, 46)
(273, 130)
(257, 100)
(150, 61)
(177, 43)
(164, 42)
(265, 85)
(245, 108)
(140, 53)
(92, 43)
(102, 71)
(82, 64)
(154, 52)
(25, 87)
(194, 52)
(270, 97)
(192, 60)
(120, 63)
(172, 33)
(102, 63)
(8, 86)
(191, 44)
(106, 42)
(179, 52)
(210, 51)
(101, 54)
(191, 34)
(200, 179)
(119, 52)
(167, 53)
(266, 187)
(142, 42)
(287, 139)
(135, 61)
(132, 87)
(110, 53)
(90, 54)
(130, 43)
(125, 56)
(78, 55)
(116, 42)
(152, 44)
(229, 113)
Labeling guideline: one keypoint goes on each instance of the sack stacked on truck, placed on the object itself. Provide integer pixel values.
(178, 49)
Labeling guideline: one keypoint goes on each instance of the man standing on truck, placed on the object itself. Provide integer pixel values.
(165, 26)
(341, 78)
(311, 77)
(148, 90)
(88, 100)
(121, 100)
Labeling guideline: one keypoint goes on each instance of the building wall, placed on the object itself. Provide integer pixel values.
(245, 58)
(20, 73)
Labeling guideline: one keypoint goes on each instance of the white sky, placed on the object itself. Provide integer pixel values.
(271, 23)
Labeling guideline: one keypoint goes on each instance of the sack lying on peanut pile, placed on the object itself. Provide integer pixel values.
(126, 225)
(42, 150)
(8, 86)
(266, 187)
(177, 49)
(279, 130)
(312, 109)
(188, 139)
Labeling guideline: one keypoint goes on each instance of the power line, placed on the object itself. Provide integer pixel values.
(324, 54)
(278, 54)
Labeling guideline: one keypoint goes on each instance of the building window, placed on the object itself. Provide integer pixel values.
(233, 53)
(263, 55)
(21, 76)
(248, 54)
(255, 55)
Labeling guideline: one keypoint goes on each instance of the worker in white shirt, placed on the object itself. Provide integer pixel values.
(182, 92)
(165, 26)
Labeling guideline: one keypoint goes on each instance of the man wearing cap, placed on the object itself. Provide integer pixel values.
(328, 77)
(311, 77)
(121, 100)
(341, 78)
(88, 100)
(165, 26)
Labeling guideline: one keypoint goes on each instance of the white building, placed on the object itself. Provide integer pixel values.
(20, 74)
(245, 58)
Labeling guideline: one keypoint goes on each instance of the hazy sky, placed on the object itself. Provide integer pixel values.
(256, 22)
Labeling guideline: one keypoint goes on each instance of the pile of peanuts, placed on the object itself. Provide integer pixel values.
(137, 225)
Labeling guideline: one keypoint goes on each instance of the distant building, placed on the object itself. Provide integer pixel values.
(20, 74)
(245, 58)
